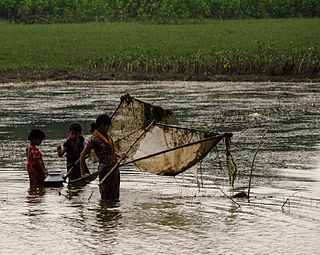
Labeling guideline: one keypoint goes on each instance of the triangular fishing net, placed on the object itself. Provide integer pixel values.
(170, 150)
(162, 149)
(128, 121)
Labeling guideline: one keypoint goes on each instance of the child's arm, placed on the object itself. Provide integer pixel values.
(61, 150)
(41, 167)
(89, 177)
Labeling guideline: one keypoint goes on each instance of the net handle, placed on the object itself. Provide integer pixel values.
(115, 111)
(118, 163)
(176, 148)
(187, 129)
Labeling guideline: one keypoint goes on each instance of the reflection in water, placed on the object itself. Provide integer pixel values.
(75, 190)
(34, 209)
(231, 219)
(35, 194)
(108, 215)
(105, 226)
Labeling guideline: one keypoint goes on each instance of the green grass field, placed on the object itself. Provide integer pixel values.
(93, 45)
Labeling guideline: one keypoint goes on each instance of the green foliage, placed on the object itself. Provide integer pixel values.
(266, 61)
(164, 11)
(268, 47)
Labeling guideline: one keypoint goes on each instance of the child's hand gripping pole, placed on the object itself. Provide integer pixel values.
(118, 163)
(72, 168)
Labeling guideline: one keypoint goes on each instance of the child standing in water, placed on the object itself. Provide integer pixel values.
(103, 146)
(73, 148)
(35, 165)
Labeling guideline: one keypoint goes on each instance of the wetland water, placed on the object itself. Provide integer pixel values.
(163, 215)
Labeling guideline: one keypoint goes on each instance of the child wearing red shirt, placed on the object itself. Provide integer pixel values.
(35, 165)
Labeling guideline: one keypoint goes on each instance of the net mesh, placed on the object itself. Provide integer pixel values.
(163, 137)
(130, 118)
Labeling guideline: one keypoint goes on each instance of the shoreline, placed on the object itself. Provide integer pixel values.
(228, 50)
(87, 75)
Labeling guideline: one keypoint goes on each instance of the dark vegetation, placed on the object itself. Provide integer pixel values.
(163, 11)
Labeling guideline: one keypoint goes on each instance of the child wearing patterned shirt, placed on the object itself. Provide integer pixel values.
(35, 165)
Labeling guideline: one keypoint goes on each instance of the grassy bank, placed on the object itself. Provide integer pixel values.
(269, 47)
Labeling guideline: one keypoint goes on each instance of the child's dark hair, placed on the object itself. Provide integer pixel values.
(36, 134)
(75, 127)
(101, 119)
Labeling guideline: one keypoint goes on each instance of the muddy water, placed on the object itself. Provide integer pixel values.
(163, 215)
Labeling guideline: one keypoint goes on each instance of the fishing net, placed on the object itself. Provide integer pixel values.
(130, 118)
(169, 150)
(162, 149)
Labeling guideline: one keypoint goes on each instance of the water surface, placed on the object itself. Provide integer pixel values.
(164, 215)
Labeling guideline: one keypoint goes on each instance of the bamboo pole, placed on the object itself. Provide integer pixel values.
(115, 111)
(71, 169)
(76, 180)
(183, 128)
(118, 163)
(172, 149)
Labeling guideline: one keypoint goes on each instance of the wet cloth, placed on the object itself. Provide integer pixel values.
(108, 140)
(73, 151)
(36, 175)
(105, 151)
